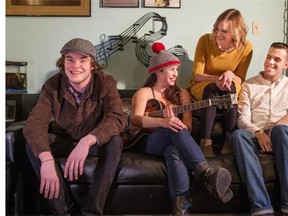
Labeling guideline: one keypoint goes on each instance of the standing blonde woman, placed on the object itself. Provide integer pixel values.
(221, 62)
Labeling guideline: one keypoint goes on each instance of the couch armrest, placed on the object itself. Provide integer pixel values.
(13, 135)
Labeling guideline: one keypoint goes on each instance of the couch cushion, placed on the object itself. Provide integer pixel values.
(134, 168)
(88, 172)
(227, 161)
(137, 168)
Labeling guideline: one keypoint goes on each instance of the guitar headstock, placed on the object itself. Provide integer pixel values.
(225, 101)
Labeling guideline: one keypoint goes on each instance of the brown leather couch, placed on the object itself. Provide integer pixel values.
(140, 185)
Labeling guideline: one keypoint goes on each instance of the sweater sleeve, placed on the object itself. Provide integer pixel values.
(244, 63)
(200, 56)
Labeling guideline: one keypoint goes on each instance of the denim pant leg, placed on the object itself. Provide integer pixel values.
(279, 139)
(245, 148)
(64, 201)
(108, 160)
(177, 172)
(188, 148)
(179, 150)
(182, 140)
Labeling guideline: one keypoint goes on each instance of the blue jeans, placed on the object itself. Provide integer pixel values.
(245, 148)
(181, 154)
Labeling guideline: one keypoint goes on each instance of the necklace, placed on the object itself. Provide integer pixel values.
(225, 50)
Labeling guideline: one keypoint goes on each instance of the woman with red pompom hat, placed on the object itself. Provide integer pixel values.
(170, 138)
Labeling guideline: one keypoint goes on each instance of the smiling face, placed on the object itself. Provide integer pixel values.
(168, 76)
(78, 69)
(275, 63)
(224, 35)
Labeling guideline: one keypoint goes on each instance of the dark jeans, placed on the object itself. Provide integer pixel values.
(181, 154)
(107, 163)
(208, 114)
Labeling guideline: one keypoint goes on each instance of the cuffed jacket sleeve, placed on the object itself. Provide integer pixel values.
(36, 127)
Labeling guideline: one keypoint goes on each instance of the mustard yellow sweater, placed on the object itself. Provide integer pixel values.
(210, 60)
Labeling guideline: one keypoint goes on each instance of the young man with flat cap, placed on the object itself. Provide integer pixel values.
(86, 111)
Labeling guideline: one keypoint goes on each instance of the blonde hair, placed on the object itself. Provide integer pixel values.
(237, 26)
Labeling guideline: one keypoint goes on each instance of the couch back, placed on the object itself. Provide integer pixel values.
(26, 102)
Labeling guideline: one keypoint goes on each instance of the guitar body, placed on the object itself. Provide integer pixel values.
(154, 105)
(131, 134)
(154, 108)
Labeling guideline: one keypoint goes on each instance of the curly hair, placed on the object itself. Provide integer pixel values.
(238, 28)
(60, 65)
(172, 93)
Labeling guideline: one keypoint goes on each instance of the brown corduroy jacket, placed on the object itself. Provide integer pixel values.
(100, 113)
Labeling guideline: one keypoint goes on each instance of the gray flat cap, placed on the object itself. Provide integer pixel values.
(81, 46)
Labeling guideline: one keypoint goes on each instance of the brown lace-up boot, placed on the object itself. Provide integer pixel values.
(217, 181)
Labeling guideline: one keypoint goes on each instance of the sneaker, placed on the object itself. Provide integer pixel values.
(218, 182)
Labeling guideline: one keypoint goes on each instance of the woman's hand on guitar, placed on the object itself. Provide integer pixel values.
(174, 124)
(171, 121)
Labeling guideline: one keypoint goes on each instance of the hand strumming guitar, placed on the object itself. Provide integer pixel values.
(171, 121)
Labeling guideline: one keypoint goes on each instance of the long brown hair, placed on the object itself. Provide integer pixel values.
(171, 93)
(237, 26)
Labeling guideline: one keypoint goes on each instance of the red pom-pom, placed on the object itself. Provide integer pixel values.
(157, 47)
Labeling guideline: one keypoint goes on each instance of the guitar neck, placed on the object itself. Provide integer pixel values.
(183, 108)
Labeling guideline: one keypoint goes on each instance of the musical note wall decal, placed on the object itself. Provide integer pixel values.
(113, 43)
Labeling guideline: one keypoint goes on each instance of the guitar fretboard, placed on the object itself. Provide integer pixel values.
(183, 108)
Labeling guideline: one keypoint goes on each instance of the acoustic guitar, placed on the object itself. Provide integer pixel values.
(131, 134)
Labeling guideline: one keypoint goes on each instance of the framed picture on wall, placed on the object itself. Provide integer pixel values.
(162, 3)
(119, 3)
(48, 8)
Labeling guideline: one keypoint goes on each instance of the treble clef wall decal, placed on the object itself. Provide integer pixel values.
(113, 43)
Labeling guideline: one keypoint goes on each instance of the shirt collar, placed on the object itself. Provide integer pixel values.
(268, 81)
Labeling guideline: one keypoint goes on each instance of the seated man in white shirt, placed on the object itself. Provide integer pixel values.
(263, 123)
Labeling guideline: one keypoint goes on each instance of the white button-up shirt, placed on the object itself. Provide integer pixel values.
(262, 103)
